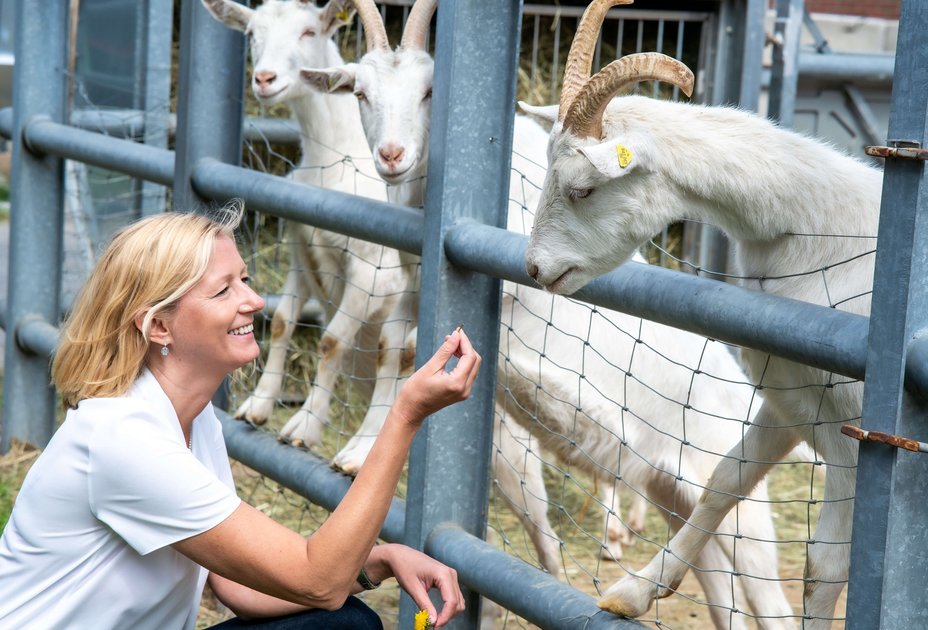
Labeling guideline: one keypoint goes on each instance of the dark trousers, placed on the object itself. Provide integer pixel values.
(354, 615)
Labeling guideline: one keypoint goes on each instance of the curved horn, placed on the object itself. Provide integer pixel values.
(417, 24)
(374, 30)
(580, 57)
(585, 115)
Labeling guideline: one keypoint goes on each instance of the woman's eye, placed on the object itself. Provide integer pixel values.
(223, 291)
(579, 193)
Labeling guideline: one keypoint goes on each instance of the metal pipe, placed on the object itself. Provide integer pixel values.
(376, 221)
(44, 136)
(36, 336)
(36, 219)
(305, 473)
(130, 124)
(808, 333)
(517, 586)
(844, 67)
(210, 83)
(468, 175)
(916, 366)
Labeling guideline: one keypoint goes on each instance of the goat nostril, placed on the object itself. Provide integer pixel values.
(265, 78)
(532, 270)
(391, 155)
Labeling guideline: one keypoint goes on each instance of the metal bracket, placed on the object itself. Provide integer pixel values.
(900, 149)
(884, 438)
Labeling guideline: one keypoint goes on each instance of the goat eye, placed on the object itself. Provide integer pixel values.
(579, 193)
(309, 33)
(361, 96)
(428, 95)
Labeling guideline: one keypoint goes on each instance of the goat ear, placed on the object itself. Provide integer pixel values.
(234, 15)
(336, 14)
(332, 80)
(544, 115)
(612, 158)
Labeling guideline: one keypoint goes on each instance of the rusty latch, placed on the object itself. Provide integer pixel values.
(900, 149)
(884, 438)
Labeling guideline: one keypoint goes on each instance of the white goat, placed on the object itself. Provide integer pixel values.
(357, 282)
(623, 169)
(364, 281)
(394, 89)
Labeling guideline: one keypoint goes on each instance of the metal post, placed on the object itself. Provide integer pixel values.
(209, 107)
(36, 219)
(785, 69)
(470, 154)
(752, 61)
(156, 17)
(209, 98)
(888, 562)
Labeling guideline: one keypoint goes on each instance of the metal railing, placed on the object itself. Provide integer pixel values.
(443, 512)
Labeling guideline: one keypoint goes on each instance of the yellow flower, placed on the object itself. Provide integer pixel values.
(422, 620)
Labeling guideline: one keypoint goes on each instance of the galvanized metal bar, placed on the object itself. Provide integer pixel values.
(376, 221)
(888, 564)
(42, 135)
(752, 58)
(808, 333)
(507, 580)
(785, 66)
(847, 67)
(157, 21)
(916, 366)
(36, 336)
(130, 123)
(857, 104)
(36, 219)
(303, 472)
(469, 163)
(209, 98)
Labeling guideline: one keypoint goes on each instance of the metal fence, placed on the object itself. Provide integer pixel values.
(463, 257)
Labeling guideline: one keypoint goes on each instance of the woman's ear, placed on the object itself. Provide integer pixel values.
(158, 331)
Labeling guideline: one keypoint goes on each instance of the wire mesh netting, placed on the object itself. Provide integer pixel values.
(607, 427)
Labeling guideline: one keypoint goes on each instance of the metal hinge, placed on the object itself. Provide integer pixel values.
(899, 149)
(884, 438)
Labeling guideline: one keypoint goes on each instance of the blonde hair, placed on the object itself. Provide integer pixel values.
(148, 265)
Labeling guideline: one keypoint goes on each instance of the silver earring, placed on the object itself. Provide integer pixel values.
(164, 350)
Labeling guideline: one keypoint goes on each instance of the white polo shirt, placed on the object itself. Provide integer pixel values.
(88, 542)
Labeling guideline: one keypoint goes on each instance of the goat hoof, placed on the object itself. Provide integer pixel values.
(255, 410)
(629, 597)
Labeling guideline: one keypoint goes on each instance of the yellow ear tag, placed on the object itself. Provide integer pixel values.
(344, 15)
(624, 154)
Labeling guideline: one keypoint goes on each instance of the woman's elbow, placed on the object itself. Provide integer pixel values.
(328, 597)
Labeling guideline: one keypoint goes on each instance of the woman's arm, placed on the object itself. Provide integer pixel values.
(247, 603)
(253, 550)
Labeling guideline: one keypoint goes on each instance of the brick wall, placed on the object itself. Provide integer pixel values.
(888, 9)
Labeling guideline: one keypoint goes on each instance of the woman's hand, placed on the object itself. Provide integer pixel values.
(416, 573)
(432, 388)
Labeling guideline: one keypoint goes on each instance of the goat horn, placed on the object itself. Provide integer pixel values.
(580, 57)
(417, 24)
(374, 30)
(585, 115)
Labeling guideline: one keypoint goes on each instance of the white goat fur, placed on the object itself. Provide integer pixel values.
(768, 189)
(394, 90)
(356, 282)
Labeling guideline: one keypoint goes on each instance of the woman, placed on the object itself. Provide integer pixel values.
(131, 507)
